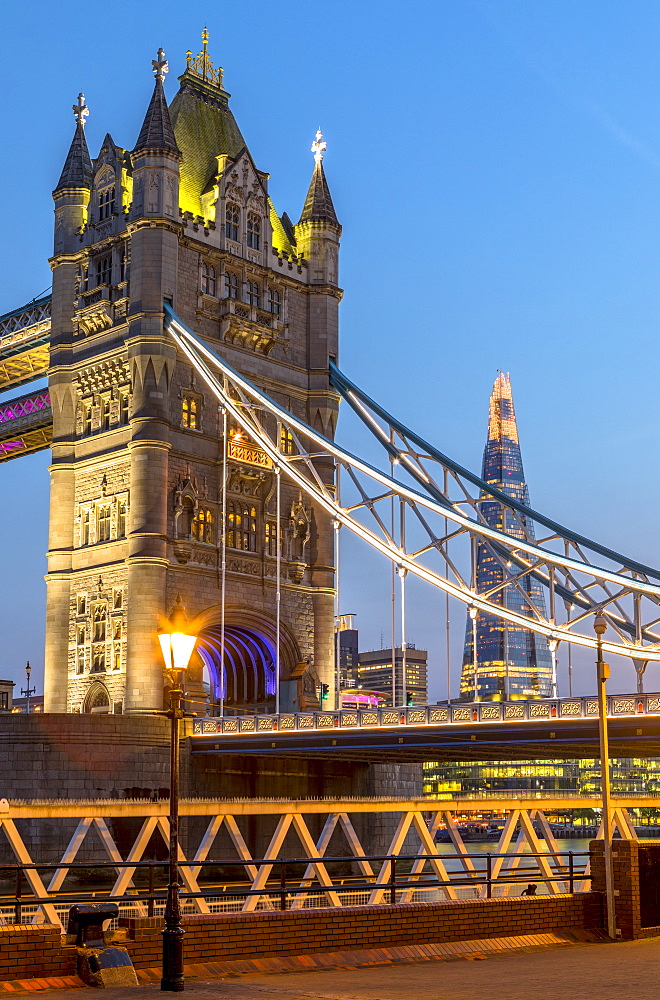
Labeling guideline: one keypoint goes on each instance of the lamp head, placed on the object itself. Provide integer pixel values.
(176, 644)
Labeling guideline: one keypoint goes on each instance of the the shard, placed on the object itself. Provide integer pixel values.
(511, 662)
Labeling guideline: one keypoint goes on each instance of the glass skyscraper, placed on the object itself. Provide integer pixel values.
(511, 662)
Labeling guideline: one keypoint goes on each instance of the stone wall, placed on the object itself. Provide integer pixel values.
(58, 756)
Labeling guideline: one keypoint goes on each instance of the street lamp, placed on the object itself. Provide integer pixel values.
(603, 672)
(472, 611)
(177, 646)
(28, 690)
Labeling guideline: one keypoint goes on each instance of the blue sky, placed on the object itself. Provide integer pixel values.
(496, 167)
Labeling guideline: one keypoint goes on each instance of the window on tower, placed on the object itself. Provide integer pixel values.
(287, 444)
(190, 412)
(274, 301)
(252, 293)
(106, 203)
(122, 509)
(254, 231)
(202, 526)
(104, 269)
(241, 527)
(232, 222)
(103, 523)
(231, 286)
(208, 279)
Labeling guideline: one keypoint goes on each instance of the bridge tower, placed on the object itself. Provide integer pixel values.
(138, 451)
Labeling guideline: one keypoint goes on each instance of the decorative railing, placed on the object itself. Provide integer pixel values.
(478, 713)
(24, 406)
(23, 324)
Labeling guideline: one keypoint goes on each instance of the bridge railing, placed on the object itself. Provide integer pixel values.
(293, 883)
(431, 715)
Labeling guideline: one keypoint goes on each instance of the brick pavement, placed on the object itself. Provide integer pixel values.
(623, 971)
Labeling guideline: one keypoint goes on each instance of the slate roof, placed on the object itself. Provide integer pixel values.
(157, 131)
(318, 205)
(204, 128)
(77, 170)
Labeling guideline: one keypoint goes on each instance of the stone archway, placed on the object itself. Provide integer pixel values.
(248, 680)
(97, 701)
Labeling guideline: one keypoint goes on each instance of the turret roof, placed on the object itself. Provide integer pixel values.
(157, 131)
(318, 205)
(77, 170)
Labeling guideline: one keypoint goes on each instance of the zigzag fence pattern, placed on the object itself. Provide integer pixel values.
(412, 869)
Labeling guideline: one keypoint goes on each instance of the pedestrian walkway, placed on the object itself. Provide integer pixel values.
(622, 971)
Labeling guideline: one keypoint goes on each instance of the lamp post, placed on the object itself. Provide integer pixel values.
(27, 691)
(177, 646)
(603, 672)
(472, 611)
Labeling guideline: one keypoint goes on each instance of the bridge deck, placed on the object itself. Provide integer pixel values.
(26, 425)
(553, 729)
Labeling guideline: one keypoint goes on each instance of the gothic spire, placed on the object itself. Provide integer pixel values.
(157, 132)
(318, 205)
(77, 170)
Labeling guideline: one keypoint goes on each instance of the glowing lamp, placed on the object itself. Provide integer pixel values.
(177, 644)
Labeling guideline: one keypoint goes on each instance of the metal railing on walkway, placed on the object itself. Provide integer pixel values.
(297, 883)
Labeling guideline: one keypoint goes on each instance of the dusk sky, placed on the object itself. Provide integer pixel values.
(496, 169)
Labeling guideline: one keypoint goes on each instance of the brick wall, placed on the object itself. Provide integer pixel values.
(241, 936)
(627, 903)
(33, 952)
(28, 951)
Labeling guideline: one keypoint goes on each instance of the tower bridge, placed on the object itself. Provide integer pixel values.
(190, 344)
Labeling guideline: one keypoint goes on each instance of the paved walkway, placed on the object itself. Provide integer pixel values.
(625, 971)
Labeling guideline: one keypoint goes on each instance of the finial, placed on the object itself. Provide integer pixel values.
(80, 110)
(201, 64)
(318, 146)
(160, 65)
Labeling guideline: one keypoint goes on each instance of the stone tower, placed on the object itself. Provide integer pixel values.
(136, 478)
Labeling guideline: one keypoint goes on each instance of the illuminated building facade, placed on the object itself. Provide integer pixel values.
(375, 674)
(184, 216)
(511, 662)
(629, 775)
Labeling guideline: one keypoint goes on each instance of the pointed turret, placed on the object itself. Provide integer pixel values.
(318, 205)
(77, 170)
(318, 232)
(157, 132)
(72, 193)
(156, 156)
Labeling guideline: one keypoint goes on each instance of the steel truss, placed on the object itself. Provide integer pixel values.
(442, 518)
(414, 826)
(24, 343)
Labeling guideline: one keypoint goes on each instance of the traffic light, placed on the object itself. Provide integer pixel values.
(410, 701)
(325, 691)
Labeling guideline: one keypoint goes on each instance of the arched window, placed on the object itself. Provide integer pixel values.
(231, 286)
(232, 222)
(189, 413)
(103, 523)
(106, 203)
(202, 527)
(208, 279)
(104, 269)
(287, 444)
(105, 413)
(84, 531)
(252, 293)
(274, 301)
(242, 527)
(122, 509)
(254, 231)
(271, 539)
